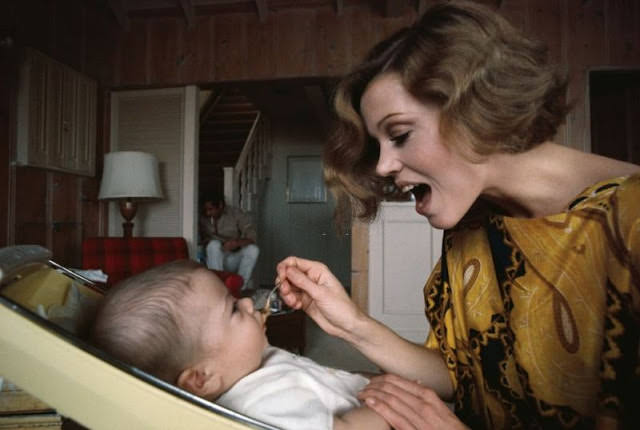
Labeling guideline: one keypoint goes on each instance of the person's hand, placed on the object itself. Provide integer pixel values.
(230, 245)
(407, 405)
(310, 285)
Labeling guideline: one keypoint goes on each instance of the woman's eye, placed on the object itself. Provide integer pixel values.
(400, 138)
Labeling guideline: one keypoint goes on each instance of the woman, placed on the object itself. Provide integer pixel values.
(534, 305)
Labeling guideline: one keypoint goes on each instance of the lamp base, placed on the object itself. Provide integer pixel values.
(127, 229)
(128, 209)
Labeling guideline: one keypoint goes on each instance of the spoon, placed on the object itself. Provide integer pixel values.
(266, 310)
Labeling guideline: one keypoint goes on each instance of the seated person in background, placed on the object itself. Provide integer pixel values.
(228, 236)
(179, 323)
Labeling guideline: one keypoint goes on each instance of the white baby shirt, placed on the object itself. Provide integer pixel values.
(293, 392)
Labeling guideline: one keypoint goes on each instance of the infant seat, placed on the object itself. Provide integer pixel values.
(42, 306)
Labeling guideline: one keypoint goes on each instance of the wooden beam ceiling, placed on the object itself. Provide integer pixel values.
(189, 14)
(123, 10)
(119, 9)
(395, 8)
(421, 6)
(263, 12)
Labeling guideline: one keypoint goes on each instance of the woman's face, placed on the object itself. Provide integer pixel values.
(413, 153)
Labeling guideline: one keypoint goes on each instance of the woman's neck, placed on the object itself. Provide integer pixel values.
(544, 180)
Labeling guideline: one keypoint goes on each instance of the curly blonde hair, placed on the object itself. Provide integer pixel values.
(494, 87)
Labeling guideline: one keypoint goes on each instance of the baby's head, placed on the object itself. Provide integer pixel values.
(179, 323)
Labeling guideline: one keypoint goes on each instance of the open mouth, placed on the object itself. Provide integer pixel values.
(418, 190)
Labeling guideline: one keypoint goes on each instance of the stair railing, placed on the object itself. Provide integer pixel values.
(242, 182)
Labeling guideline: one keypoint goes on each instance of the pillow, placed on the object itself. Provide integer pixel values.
(74, 314)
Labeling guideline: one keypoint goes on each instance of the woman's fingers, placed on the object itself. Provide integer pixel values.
(291, 295)
(398, 414)
(404, 409)
(408, 405)
(311, 277)
(413, 387)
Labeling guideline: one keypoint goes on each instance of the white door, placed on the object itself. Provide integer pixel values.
(403, 249)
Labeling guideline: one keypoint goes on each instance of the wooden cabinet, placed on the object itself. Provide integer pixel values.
(56, 116)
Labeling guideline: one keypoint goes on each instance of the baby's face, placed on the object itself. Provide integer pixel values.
(231, 330)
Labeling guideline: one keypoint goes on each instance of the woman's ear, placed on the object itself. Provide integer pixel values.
(201, 381)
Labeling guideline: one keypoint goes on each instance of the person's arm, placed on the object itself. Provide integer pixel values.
(245, 229)
(408, 405)
(235, 244)
(203, 230)
(360, 418)
(311, 286)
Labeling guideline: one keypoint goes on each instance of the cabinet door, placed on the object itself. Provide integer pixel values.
(56, 116)
(32, 144)
(53, 121)
(68, 124)
(83, 157)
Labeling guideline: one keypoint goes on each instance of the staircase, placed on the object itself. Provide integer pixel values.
(234, 148)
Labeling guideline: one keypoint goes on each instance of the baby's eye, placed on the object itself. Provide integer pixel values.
(399, 139)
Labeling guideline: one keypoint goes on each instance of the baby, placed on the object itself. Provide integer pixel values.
(179, 323)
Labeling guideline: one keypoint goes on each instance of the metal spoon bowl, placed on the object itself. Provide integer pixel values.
(266, 310)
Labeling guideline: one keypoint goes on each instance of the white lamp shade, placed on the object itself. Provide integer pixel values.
(130, 174)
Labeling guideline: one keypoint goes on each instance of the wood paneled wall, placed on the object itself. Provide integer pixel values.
(161, 51)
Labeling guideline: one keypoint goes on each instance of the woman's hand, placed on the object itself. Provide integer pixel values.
(406, 404)
(310, 285)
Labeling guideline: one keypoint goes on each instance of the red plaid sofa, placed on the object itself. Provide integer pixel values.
(121, 258)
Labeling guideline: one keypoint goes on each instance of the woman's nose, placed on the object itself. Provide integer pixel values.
(246, 304)
(387, 164)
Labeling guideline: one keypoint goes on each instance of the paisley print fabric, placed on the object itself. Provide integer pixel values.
(538, 319)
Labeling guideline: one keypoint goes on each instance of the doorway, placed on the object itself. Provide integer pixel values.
(298, 115)
(614, 97)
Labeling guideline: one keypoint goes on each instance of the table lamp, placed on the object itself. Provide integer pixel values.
(128, 177)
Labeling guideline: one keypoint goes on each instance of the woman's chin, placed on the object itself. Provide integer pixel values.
(438, 221)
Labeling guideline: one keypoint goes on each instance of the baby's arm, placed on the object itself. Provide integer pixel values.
(360, 418)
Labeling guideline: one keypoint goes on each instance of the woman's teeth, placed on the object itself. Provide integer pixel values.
(420, 190)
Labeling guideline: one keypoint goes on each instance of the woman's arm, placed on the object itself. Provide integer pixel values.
(311, 286)
(360, 418)
(407, 405)
(396, 355)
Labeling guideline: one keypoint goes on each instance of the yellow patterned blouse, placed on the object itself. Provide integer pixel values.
(538, 319)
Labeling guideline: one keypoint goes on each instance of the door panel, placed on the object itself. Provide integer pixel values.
(315, 237)
(403, 249)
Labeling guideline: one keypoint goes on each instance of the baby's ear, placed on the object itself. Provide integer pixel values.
(201, 381)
